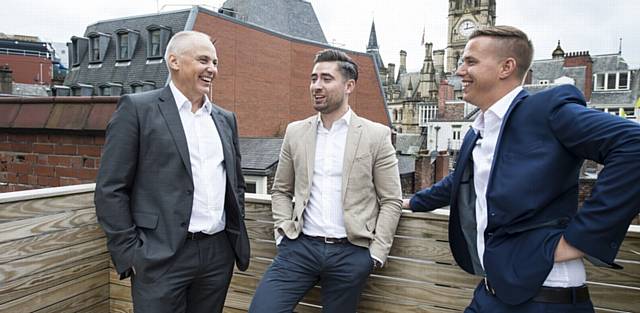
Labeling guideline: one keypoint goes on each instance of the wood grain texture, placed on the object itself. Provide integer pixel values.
(55, 294)
(33, 208)
(47, 279)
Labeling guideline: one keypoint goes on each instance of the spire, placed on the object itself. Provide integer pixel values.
(373, 39)
(558, 53)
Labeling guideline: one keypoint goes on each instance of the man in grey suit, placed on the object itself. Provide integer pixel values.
(343, 172)
(170, 192)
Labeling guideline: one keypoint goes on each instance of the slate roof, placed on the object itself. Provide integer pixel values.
(406, 164)
(259, 155)
(408, 143)
(294, 18)
(138, 70)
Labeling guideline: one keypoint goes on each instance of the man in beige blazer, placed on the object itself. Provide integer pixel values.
(343, 172)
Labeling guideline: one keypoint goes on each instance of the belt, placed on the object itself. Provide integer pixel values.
(328, 240)
(557, 295)
(198, 235)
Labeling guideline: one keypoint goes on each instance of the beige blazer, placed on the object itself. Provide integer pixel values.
(371, 190)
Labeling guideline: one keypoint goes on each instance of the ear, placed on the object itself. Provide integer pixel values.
(350, 86)
(173, 62)
(508, 68)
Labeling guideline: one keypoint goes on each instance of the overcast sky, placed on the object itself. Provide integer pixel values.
(594, 25)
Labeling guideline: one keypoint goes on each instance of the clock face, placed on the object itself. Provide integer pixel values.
(466, 28)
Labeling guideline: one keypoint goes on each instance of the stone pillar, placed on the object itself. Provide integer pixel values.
(441, 166)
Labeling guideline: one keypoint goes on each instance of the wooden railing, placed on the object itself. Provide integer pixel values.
(53, 259)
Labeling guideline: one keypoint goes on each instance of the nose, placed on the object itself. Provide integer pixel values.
(461, 69)
(316, 84)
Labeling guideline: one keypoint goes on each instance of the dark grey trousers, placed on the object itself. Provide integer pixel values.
(196, 282)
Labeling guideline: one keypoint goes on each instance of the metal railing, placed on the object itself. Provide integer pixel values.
(31, 53)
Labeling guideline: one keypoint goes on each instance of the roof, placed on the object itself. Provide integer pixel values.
(295, 18)
(138, 70)
(259, 154)
(408, 143)
(406, 164)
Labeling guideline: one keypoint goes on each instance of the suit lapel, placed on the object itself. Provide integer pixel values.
(224, 131)
(505, 120)
(169, 110)
(310, 147)
(351, 147)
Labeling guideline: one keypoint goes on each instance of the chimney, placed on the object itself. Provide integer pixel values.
(6, 79)
(445, 93)
(403, 62)
(391, 73)
(582, 58)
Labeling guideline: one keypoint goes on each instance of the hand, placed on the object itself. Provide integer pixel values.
(406, 203)
(375, 264)
(565, 251)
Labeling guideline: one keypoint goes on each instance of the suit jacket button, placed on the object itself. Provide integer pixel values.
(189, 192)
(613, 245)
(183, 224)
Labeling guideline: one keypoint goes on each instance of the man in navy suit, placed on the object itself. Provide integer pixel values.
(513, 196)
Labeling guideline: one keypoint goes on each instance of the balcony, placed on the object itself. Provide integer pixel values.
(53, 258)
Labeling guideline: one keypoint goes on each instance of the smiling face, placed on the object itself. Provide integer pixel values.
(480, 72)
(194, 68)
(329, 88)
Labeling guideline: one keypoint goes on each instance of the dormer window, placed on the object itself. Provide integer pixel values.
(141, 86)
(611, 81)
(78, 50)
(157, 41)
(98, 44)
(126, 40)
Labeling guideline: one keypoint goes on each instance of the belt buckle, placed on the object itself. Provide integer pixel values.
(329, 240)
(488, 288)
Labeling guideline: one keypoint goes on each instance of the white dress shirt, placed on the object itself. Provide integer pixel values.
(207, 167)
(563, 274)
(323, 215)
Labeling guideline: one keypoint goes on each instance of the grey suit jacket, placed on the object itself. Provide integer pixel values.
(144, 189)
(371, 190)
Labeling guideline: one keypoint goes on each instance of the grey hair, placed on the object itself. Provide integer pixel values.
(180, 42)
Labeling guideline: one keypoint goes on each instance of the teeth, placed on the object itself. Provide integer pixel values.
(207, 79)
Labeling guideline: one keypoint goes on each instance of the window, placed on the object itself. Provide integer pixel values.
(98, 43)
(154, 38)
(136, 88)
(456, 132)
(395, 114)
(623, 80)
(105, 90)
(94, 43)
(158, 37)
(123, 46)
(611, 81)
(78, 49)
(251, 188)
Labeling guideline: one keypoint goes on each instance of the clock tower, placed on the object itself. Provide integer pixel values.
(465, 16)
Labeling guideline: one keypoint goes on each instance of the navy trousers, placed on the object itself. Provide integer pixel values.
(340, 269)
(484, 302)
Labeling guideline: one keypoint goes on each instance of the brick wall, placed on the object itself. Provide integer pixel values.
(264, 78)
(40, 159)
(28, 69)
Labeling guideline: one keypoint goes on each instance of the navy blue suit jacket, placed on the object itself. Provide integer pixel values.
(532, 193)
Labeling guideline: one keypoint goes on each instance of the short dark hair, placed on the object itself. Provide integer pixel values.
(347, 66)
(515, 43)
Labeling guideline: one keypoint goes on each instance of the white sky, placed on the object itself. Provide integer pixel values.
(594, 25)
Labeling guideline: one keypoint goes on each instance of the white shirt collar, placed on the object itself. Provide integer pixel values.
(182, 101)
(346, 117)
(499, 109)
